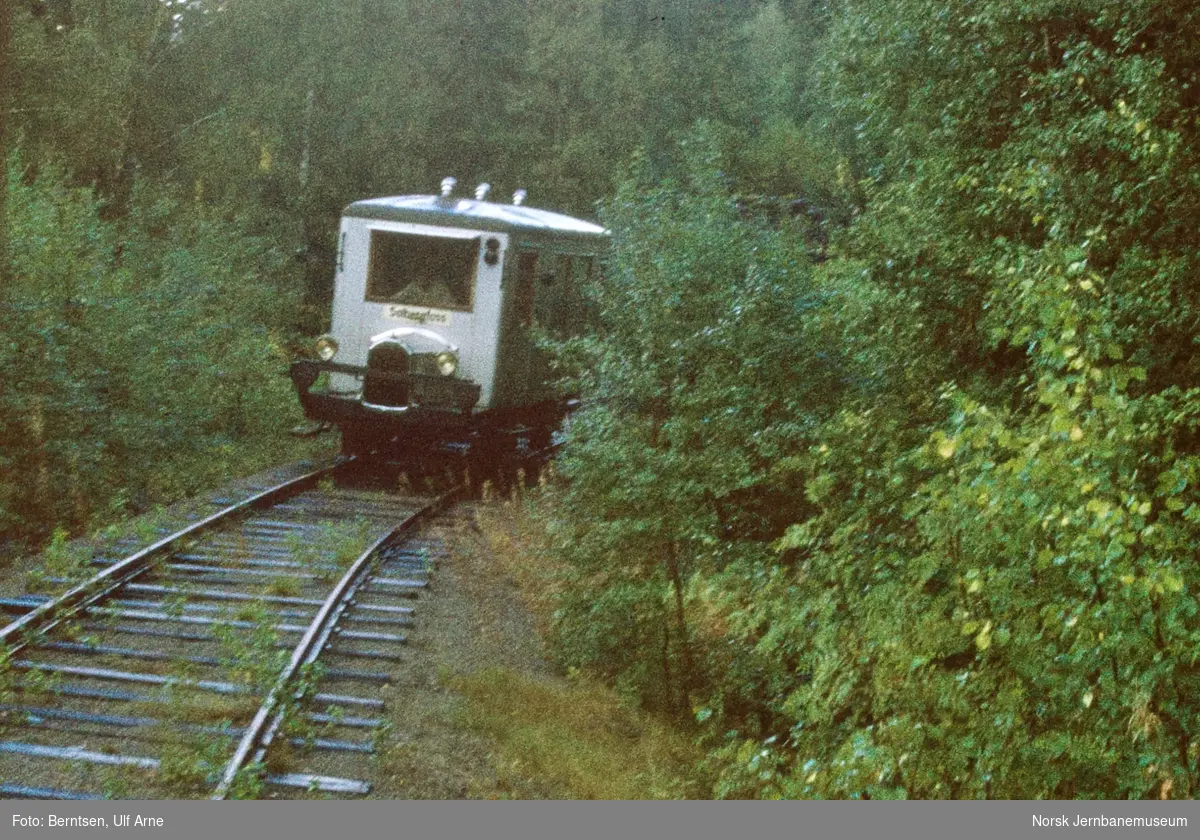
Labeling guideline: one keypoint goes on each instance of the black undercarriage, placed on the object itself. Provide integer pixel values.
(439, 412)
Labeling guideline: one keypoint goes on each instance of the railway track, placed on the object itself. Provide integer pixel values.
(247, 653)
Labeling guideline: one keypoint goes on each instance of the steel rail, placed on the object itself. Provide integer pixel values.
(269, 718)
(19, 633)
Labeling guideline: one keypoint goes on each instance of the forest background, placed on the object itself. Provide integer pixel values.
(886, 485)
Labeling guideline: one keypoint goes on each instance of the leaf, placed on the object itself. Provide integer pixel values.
(1172, 482)
(984, 640)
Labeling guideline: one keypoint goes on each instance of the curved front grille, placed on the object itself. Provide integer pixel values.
(383, 390)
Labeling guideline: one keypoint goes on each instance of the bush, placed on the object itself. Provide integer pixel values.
(709, 365)
(921, 522)
(139, 354)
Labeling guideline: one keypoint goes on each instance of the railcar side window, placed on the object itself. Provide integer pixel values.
(422, 270)
(527, 265)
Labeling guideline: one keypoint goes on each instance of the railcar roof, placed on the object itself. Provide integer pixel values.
(467, 212)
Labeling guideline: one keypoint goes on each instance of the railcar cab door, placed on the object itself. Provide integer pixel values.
(544, 294)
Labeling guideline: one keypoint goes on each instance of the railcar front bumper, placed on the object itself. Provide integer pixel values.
(429, 397)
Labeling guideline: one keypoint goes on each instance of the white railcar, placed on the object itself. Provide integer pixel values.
(436, 303)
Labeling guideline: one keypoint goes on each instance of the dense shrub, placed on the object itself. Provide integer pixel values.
(714, 363)
(134, 352)
(985, 444)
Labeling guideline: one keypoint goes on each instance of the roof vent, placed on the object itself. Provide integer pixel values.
(448, 186)
(482, 190)
(519, 197)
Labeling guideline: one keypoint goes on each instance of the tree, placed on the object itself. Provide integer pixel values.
(981, 583)
(5, 107)
(993, 599)
(700, 378)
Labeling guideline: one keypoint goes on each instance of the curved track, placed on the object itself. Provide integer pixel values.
(231, 654)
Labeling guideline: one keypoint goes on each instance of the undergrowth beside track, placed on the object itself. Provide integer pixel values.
(486, 714)
(577, 736)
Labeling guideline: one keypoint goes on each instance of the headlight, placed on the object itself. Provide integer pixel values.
(447, 363)
(327, 347)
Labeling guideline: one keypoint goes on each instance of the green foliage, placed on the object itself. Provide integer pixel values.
(8, 683)
(995, 603)
(287, 110)
(709, 331)
(331, 547)
(134, 350)
(979, 581)
(579, 737)
(285, 585)
(192, 765)
(252, 654)
(248, 783)
(61, 559)
(295, 725)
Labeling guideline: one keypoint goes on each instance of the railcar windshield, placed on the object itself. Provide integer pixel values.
(427, 271)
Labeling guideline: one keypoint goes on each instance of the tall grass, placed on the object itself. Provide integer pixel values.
(578, 737)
